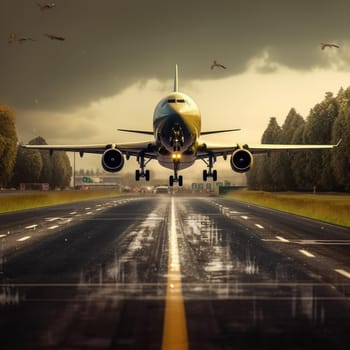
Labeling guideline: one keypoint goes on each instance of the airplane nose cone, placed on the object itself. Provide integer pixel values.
(174, 134)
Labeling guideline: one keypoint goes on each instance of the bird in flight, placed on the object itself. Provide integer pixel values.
(324, 45)
(46, 6)
(55, 37)
(14, 38)
(215, 64)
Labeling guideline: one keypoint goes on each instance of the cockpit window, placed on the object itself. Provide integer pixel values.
(173, 100)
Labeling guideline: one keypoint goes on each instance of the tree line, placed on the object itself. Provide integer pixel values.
(329, 170)
(20, 165)
(326, 170)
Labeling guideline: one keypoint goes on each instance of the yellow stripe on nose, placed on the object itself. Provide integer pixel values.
(175, 330)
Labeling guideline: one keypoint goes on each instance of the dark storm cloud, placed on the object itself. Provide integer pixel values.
(111, 44)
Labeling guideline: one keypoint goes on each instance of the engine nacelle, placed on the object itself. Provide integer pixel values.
(241, 160)
(112, 160)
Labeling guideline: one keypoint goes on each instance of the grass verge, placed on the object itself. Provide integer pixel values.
(331, 208)
(20, 201)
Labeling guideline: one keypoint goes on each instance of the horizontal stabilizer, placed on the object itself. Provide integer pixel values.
(137, 131)
(217, 131)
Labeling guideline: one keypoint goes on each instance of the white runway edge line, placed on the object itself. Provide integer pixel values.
(23, 238)
(259, 226)
(306, 253)
(343, 273)
(53, 227)
(34, 226)
(52, 219)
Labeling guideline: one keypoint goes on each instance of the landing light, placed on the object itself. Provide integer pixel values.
(176, 156)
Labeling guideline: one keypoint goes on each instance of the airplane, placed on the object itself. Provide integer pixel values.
(177, 143)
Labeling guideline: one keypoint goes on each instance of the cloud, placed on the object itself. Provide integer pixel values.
(111, 44)
(57, 127)
(263, 64)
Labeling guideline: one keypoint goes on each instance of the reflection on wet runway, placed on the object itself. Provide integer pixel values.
(106, 279)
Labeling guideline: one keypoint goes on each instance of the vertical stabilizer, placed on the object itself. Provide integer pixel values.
(176, 80)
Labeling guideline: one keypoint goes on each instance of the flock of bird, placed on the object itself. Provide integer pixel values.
(323, 46)
(13, 38)
(48, 6)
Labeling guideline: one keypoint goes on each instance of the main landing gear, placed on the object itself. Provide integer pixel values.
(142, 172)
(210, 172)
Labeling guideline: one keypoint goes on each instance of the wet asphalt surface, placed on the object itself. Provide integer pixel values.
(94, 275)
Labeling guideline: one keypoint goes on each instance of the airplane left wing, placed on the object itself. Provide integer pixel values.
(267, 148)
(241, 156)
(205, 149)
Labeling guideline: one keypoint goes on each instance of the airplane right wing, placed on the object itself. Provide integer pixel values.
(112, 154)
(131, 149)
(137, 131)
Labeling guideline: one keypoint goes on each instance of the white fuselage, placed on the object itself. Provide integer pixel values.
(177, 126)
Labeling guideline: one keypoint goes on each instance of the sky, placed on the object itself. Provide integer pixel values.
(118, 57)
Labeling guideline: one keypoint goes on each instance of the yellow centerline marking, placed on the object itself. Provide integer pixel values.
(175, 329)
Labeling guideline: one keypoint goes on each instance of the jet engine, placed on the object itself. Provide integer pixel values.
(112, 160)
(241, 160)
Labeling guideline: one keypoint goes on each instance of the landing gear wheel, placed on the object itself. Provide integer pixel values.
(180, 180)
(215, 175)
(147, 175)
(171, 180)
(137, 175)
(205, 175)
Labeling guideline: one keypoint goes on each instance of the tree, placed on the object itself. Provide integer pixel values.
(298, 161)
(284, 161)
(46, 170)
(8, 144)
(341, 130)
(27, 167)
(62, 171)
(56, 169)
(318, 130)
(261, 175)
(270, 170)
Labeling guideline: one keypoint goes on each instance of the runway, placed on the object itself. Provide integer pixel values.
(172, 272)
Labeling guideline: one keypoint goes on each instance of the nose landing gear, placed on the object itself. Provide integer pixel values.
(175, 178)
